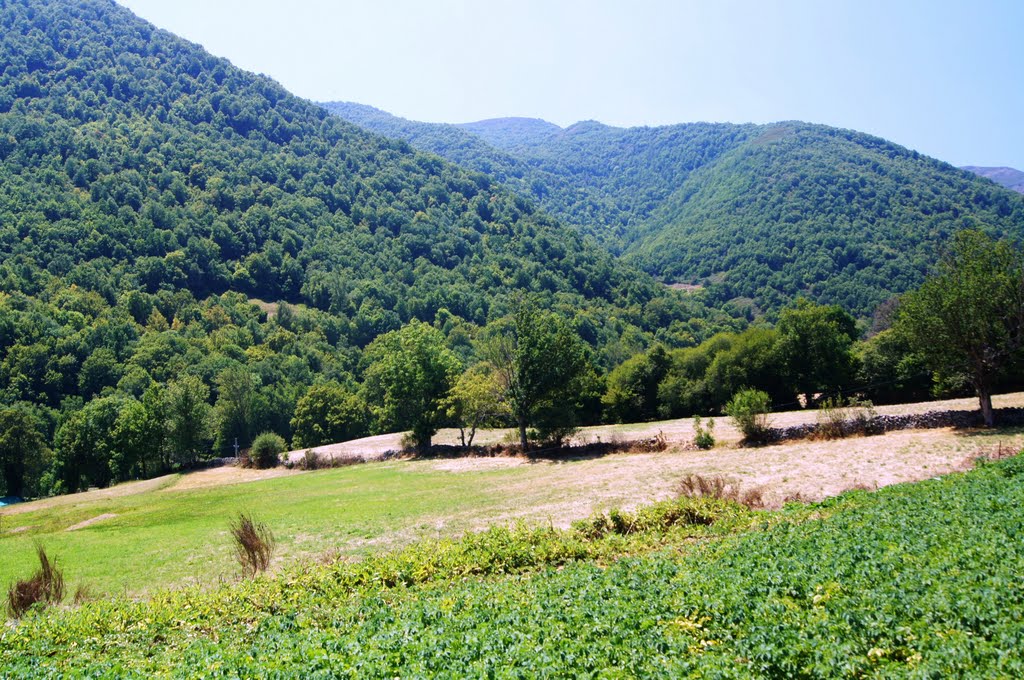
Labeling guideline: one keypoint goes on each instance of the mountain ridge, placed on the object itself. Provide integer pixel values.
(750, 212)
(1011, 178)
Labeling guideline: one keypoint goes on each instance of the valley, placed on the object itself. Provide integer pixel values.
(172, 531)
(308, 389)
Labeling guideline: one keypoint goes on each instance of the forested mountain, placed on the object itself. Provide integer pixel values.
(753, 213)
(149, 192)
(1011, 178)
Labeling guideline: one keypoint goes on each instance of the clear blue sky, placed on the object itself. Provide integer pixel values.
(944, 77)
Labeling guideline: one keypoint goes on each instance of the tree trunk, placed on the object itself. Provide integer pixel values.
(522, 435)
(985, 399)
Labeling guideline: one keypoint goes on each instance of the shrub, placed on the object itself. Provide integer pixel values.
(254, 545)
(749, 410)
(45, 587)
(839, 418)
(266, 450)
(704, 437)
(311, 460)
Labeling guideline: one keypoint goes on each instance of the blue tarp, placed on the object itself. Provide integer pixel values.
(10, 500)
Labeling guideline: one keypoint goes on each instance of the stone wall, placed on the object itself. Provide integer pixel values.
(911, 421)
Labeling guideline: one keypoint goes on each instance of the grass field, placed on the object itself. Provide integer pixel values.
(916, 580)
(139, 537)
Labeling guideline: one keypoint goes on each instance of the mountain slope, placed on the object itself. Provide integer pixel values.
(602, 180)
(1011, 178)
(806, 209)
(754, 212)
(132, 158)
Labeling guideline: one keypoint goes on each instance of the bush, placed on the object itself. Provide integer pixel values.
(704, 437)
(266, 450)
(45, 587)
(838, 418)
(254, 545)
(311, 460)
(749, 410)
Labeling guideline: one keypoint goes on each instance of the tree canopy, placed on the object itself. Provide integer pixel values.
(967, 319)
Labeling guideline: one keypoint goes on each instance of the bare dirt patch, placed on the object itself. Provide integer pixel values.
(564, 491)
(91, 521)
(228, 474)
(479, 463)
(126, 489)
(367, 448)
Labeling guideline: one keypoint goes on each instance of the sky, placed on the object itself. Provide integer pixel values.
(944, 77)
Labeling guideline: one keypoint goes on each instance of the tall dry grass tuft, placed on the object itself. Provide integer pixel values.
(717, 486)
(45, 587)
(254, 545)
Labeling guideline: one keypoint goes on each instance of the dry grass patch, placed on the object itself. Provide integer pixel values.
(43, 588)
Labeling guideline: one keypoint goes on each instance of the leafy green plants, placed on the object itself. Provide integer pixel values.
(749, 410)
(704, 436)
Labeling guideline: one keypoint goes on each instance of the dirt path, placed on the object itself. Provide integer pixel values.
(221, 476)
(92, 520)
(126, 489)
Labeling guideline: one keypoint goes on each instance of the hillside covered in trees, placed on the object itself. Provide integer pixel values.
(753, 213)
(153, 196)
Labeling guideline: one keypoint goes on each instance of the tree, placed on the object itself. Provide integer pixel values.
(329, 413)
(632, 393)
(236, 393)
(189, 419)
(967, 319)
(410, 373)
(475, 401)
(85, 444)
(540, 363)
(23, 451)
(814, 347)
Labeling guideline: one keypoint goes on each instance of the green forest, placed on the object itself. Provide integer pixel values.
(175, 232)
(191, 257)
(753, 214)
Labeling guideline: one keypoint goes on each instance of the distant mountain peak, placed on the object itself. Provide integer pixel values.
(507, 133)
(1011, 178)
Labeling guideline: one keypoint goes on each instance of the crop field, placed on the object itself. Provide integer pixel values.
(140, 537)
(915, 580)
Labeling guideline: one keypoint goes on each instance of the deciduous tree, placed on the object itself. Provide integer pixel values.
(410, 373)
(967, 319)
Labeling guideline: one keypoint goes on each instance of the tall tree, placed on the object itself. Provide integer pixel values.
(329, 413)
(967, 319)
(235, 407)
(814, 347)
(22, 451)
(540, 363)
(189, 419)
(410, 374)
